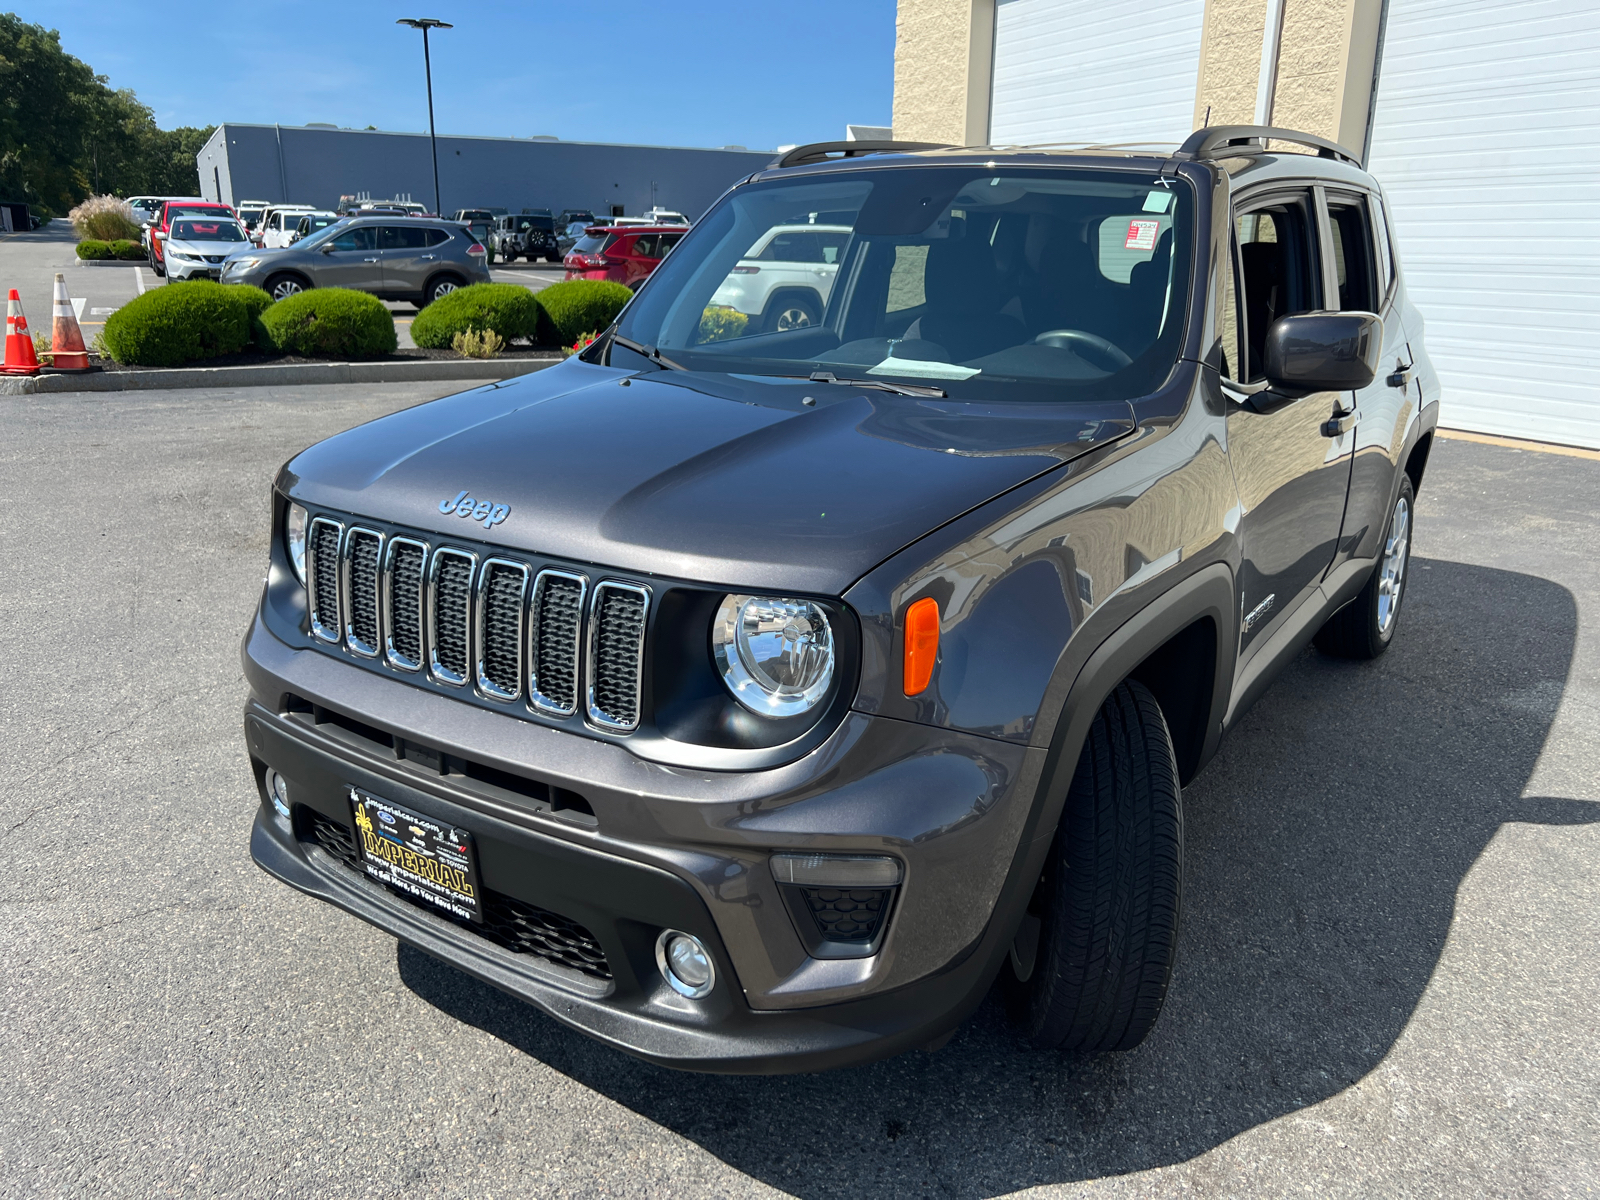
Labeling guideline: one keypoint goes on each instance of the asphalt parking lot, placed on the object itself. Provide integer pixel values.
(29, 262)
(1387, 980)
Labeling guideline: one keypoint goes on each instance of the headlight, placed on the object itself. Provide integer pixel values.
(242, 264)
(776, 655)
(294, 540)
(179, 254)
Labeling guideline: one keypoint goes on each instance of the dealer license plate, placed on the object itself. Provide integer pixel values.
(422, 857)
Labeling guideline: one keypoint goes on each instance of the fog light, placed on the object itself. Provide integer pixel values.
(278, 792)
(685, 964)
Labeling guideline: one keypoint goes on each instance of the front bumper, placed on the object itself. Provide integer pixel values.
(666, 848)
(179, 269)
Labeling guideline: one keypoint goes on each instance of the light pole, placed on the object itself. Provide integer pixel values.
(425, 24)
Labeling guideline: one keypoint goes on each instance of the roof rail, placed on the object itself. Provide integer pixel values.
(1222, 140)
(816, 152)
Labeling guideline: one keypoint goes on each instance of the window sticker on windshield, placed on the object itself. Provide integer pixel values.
(1142, 235)
(1157, 200)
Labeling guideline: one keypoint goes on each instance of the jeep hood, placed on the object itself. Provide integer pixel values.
(722, 479)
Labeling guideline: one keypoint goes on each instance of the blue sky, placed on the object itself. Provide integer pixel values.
(757, 74)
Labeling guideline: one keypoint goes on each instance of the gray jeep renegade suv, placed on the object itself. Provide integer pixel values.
(752, 701)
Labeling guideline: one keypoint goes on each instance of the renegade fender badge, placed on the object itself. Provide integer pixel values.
(479, 510)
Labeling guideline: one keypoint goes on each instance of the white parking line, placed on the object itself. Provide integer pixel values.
(138, 278)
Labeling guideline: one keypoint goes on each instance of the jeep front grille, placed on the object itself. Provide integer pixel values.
(403, 602)
(449, 614)
(514, 633)
(556, 643)
(502, 590)
(616, 654)
(363, 550)
(322, 577)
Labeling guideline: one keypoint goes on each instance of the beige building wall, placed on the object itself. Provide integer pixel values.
(944, 55)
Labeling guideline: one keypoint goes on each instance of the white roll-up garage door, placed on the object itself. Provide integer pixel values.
(1486, 139)
(1088, 71)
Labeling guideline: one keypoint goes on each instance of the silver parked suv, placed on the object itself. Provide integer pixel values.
(396, 258)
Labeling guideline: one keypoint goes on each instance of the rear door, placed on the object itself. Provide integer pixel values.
(351, 260)
(1362, 273)
(410, 255)
(1292, 479)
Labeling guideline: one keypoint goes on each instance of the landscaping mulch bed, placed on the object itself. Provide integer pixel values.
(254, 358)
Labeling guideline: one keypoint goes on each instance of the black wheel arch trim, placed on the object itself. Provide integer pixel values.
(1207, 594)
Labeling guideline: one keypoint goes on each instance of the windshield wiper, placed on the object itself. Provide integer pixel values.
(650, 352)
(899, 389)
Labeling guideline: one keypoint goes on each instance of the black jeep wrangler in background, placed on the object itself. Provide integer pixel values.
(752, 701)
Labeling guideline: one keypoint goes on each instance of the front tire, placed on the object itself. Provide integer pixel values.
(281, 287)
(1102, 932)
(792, 312)
(1363, 628)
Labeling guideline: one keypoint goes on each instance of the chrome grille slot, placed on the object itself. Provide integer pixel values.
(403, 603)
(322, 577)
(358, 581)
(449, 614)
(616, 654)
(555, 648)
(502, 588)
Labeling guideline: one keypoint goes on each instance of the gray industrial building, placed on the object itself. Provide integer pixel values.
(317, 164)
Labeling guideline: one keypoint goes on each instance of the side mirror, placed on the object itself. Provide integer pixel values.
(1323, 352)
(327, 247)
(159, 234)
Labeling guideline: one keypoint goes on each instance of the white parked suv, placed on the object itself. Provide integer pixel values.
(278, 224)
(196, 246)
(784, 280)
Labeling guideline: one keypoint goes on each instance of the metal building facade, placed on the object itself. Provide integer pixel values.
(316, 165)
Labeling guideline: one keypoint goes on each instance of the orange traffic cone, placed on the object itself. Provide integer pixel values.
(68, 352)
(20, 358)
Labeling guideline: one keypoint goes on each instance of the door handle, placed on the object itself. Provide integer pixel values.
(1401, 377)
(369, 260)
(1341, 423)
(428, 258)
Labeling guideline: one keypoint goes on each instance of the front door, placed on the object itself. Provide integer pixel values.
(1292, 477)
(350, 260)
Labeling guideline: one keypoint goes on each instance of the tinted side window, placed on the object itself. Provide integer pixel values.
(1353, 254)
(798, 247)
(436, 237)
(1278, 260)
(402, 237)
(355, 239)
(644, 247)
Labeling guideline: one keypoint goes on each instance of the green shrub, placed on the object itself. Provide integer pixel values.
(507, 308)
(169, 326)
(129, 251)
(330, 323)
(571, 309)
(92, 248)
(720, 322)
(255, 303)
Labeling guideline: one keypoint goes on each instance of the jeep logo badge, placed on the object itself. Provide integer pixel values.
(479, 510)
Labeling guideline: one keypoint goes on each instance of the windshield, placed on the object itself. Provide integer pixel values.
(206, 231)
(1017, 284)
(322, 235)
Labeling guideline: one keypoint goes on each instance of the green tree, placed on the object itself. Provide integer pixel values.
(65, 133)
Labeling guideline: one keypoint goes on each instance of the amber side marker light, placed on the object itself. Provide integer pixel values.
(922, 644)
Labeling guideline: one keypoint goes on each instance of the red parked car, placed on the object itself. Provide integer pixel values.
(622, 254)
(179, 208)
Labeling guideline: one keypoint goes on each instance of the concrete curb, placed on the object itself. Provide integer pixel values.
(113, 262)
(285, 375)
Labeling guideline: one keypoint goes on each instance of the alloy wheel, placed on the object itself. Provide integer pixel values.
(1392, 578)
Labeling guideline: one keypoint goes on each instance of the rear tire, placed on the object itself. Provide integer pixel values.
(549, 258)
(442, 286)
(1364, 627)
(1103, 925)
(792, 312)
